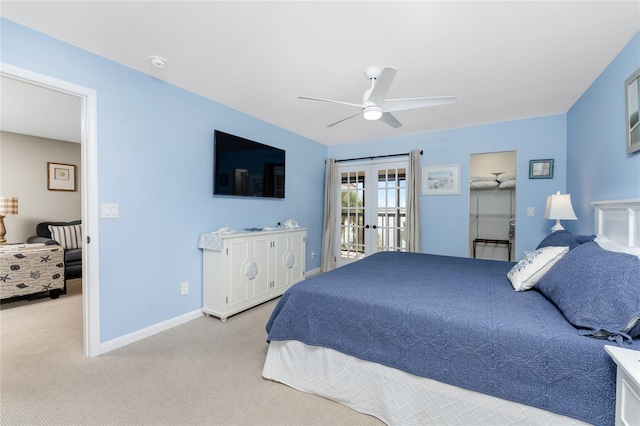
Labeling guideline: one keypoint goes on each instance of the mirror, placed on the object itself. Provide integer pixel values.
(633, 112)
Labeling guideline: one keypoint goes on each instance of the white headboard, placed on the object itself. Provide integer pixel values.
(619, 220)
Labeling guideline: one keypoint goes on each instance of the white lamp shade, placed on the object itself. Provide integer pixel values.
(559, 207)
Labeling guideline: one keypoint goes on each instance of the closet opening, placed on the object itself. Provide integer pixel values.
(492, 205)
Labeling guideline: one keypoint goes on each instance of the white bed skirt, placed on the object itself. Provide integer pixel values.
(393, 396)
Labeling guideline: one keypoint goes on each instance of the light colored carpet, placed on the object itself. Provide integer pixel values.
(204, 372)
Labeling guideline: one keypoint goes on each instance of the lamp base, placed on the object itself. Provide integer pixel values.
(557, 226)
(3, 231)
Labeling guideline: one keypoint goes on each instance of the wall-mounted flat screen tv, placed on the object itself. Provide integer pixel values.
(247, 168)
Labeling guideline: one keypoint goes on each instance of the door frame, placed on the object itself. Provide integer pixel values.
(89, 196)
(372, 192)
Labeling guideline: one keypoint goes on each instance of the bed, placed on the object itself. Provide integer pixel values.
(426, 339)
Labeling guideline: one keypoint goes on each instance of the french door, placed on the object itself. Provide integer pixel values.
(373, 200)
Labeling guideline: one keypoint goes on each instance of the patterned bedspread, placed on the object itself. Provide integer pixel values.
(456, 320)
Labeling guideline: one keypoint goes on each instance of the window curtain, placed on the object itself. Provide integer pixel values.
(330, 215)
(413, 228)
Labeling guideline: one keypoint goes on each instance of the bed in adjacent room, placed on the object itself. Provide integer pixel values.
(425, 339)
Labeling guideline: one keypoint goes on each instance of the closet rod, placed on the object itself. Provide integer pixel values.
(375, 156)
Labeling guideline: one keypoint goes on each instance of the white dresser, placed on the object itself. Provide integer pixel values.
(627, 385)
(249, 268)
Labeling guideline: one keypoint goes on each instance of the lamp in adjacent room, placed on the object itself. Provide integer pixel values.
(559, 208)
(8, 205)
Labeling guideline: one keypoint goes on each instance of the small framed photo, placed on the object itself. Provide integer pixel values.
(61, 177)
(633, 112)
(541, 169)
(441, 180)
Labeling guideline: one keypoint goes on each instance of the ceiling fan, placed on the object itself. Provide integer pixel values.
(374, 105)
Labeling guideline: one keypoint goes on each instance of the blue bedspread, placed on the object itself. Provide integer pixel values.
(458, 321)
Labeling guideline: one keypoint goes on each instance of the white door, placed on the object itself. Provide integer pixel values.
(373, 200)
(290, 259)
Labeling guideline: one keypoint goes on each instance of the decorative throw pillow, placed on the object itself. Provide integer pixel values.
(598, 291)
(525, 274)
(565, 239)
(69, 236)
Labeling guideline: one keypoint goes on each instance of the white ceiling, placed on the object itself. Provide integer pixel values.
(504, 60)
(38, 111)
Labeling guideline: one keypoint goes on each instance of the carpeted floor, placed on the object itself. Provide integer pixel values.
(205, 372)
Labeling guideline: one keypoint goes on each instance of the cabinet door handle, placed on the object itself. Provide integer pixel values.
(366, 226)
(375, 227)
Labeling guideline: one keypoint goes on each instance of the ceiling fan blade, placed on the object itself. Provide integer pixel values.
(382, 86)
(330, 100)
(344, 119)
(389, 119)
(411, 103)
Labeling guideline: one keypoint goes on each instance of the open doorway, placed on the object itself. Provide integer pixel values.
(89, 184)
(492, 205)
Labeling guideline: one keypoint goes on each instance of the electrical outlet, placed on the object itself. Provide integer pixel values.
(184, 288)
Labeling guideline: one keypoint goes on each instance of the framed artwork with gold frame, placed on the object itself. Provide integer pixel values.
(61, 177)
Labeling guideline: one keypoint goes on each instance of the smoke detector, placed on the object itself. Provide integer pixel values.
(158, 61)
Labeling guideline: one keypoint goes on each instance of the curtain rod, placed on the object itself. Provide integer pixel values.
(375, 156)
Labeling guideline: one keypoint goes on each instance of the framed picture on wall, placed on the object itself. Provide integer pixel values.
(441, 180)
(541, 169)
(633, 112)
(61, 177)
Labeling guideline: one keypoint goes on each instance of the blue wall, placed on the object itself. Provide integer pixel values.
(588, 145)
(599, 167)
(155, 158)
(155, 148)
(445, 218)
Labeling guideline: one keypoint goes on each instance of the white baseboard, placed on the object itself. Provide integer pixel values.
(312, 272)
(119, 342)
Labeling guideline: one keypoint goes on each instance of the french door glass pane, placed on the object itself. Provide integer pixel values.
(352, 235)
(392, 184)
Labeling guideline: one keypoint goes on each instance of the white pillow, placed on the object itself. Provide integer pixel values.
(526, 273)
(502, 177)
(484, 184)
(69, 237)
(508, 183)
(606, 243)
(483, 176)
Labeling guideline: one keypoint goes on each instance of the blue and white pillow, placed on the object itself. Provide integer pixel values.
(526, 273)
(598, 291)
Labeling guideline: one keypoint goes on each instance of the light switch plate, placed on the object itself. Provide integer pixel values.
(110, 211)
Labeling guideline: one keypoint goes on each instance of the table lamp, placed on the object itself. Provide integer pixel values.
(8, 205)
(559, 208)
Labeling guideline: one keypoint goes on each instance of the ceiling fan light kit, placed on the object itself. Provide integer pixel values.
(372, 113)
(374, 106)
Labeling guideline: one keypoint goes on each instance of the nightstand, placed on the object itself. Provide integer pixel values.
(627, 385)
